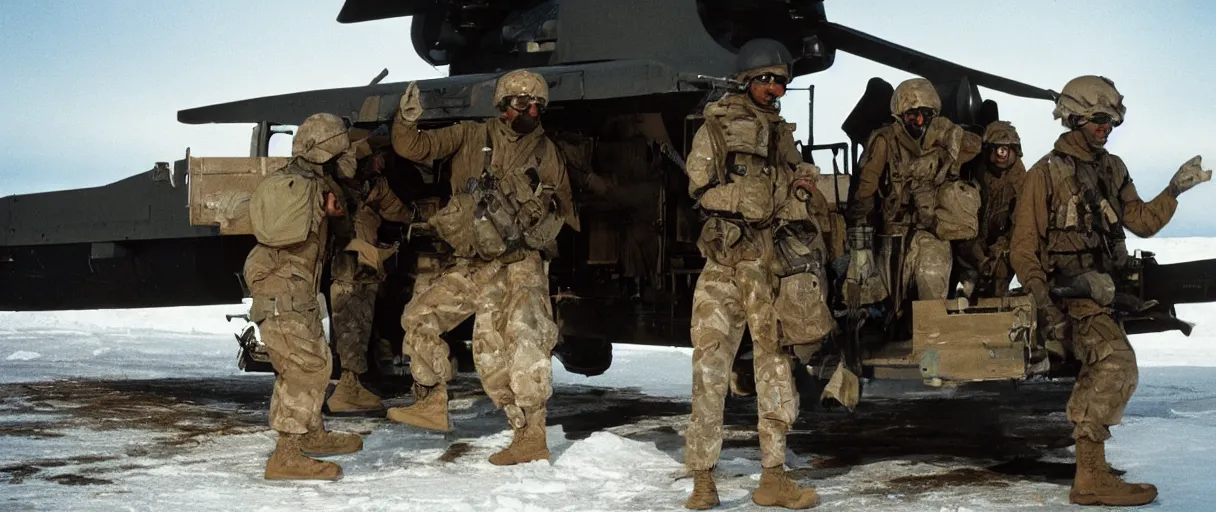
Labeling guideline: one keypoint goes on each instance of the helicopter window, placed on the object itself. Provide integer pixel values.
(280, 141)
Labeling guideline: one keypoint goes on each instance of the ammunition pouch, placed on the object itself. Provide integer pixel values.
(470, 234)
(502, 214)
(957, 211)
(802, 311)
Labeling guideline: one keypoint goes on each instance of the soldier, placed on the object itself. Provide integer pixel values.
(742, 167)
(912, 167)
(999, 172)
(288, 211)
(357, 272)
(511, 196)
(1068, 226)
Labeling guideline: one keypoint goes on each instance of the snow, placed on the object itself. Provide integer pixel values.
(22, 355)
(61, 451)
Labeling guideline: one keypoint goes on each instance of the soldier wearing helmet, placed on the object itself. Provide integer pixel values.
(511, 196)
(909, 186)
(1068, 227)
(357, 270)
(288, 211)
(984, 260)
(747, 178)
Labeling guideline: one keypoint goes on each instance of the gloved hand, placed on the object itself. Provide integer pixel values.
(1190, 174)
(410, 109)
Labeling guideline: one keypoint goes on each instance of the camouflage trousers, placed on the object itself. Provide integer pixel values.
(295, 340)
(926, 264)
(725, 302)
(1108, 377)
(353, 310)
(513, 330)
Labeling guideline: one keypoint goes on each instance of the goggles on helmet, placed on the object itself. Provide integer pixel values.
(1103, 118)
(523, 101)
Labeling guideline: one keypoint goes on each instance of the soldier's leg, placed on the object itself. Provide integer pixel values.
(1107, 380)
(930, 260)
(442, 306)
(301, 359)
(776, 396)
(718, 320)
(530, 334)
(354, 308)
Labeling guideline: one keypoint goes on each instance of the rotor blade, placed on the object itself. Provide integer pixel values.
(356, 11)
(935, 69)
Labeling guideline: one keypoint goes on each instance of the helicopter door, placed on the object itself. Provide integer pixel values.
(220, 188)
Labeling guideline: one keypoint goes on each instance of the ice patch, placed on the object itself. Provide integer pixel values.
(22, 355)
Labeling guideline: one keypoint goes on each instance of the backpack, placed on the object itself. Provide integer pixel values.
(284, 208)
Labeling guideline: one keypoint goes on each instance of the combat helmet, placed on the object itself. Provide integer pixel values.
(763, 55)
(521, 82)
(1003, 133)
(320, 138)
(1087, 95)
(915, 93)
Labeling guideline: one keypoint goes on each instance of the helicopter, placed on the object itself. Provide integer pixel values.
(627, 81)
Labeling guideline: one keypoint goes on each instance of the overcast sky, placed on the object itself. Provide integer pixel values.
(91, 89)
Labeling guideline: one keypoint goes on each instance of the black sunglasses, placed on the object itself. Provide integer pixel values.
(770, 78)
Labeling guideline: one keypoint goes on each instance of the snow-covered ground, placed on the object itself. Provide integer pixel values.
(147, 410)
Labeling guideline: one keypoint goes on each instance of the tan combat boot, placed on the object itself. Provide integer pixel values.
(777, 489)
(287, 463)
(704, 491)
(1095, 484)
(529, 443)
(429, 410)
(350, 396)
(319, 443)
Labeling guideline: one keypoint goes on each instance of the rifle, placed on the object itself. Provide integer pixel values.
(729, 84)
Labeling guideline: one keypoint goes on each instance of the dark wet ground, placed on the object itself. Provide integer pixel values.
(1009, 429)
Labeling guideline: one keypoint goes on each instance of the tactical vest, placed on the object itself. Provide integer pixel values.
(909, 186)
(1084, 223)
(747, 153)
(501, 213)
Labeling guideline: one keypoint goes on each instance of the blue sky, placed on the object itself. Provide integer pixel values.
(91, 89)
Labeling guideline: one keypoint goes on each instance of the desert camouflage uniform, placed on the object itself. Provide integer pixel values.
(903, 176)
(985, 259)
(284, 283)
(514, 331)
(357, 271)
(1067, 196)
(737, 288)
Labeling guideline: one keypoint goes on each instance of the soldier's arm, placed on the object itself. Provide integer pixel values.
(1030, 229)
(1144, 219)
(388, 205)
(426, 146)
(554, 174)
(700, 164)
(969, 148)
(873, 162)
